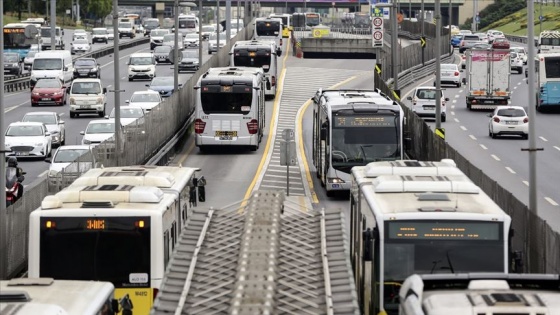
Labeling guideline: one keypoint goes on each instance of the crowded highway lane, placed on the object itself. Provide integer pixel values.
(19, 103)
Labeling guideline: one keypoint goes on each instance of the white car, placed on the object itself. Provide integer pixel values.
(111, 34)
(492, 35)
(99, 35)
(508, 120)
(516, 62)
(208, 30)
(423, 102)
(213, 42)
(70, 158)
(521, 52)
(146, 100)
(53, 122)
(450, 74)
(97, 131)
(132, 118)
(169, 40)
(28, 139)
(191, 40)
(79, 46)
(156, 37)
(141, 66)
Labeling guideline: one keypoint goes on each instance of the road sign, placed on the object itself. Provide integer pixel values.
(541, 17)
(440, 132)
(477, 19)
(378, 68)
(377, 31)
(376, 12)
(423, 41)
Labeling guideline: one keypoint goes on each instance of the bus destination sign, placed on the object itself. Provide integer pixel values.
(442, 230)
(364, 121)
(14, 30)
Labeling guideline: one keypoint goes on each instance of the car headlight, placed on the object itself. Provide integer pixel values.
(35, 94)
(72, 101)
(15, 65)
(99, 100)
(57, 93)
(52, 173)
(85, 141)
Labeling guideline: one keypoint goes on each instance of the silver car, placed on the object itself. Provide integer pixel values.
(80, 46)
(53, 122)
(28, 60)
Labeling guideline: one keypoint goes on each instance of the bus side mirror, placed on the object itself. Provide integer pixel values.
(278, 52)
(323, 133)
(367, 237)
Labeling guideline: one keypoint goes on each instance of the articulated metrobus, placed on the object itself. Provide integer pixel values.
(549, 42)
(47, 296)
(548, 81)
(286, 23)
(352, 128)
(269, 29)
(305, 20)
(410, 217)
(260, 54)
(18, 38)
(116, 224)
(230, 107)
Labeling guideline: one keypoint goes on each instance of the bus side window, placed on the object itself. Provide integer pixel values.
(166, 247)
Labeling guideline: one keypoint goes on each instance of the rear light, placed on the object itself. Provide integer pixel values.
(473, 102)
(462, 43)
(456, 73)
(526, 120)
(496, 119)
(280, 42)
(199, 126)
(273, 81)
(253, 126)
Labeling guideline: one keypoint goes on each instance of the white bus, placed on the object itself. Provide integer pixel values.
(269, 29)
(410, 217)
(481, 293)
(117, 224)
(260, 54)
(549, 42)
(230, 107)
(352, 128)
(188, 24)
(286, 23)
(46, 296)
(548, 81)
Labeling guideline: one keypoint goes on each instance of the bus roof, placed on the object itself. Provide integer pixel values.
(231, 73)
(365, 174)
(47, 296)
(463, 294)
(345, 96)
(254, 43)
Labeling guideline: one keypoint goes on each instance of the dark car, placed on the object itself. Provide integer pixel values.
(48, 92)
(86, 68)
(190, 61)
(163, 54)
(500, 43)
(162, 85)
(12, 63)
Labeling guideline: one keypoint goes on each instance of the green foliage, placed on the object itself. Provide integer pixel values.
(496, 12)
(99, 8)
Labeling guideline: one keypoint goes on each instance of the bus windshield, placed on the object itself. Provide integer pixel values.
(552, 67)
(187, 23)
(267, 28)
(100, 248)
(312, 19)
(15, 39)
(226, 103)
(357, 140)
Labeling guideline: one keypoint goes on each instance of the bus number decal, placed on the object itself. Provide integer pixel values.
(138, 278)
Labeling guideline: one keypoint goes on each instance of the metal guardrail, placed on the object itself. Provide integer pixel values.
(411, 75)
(520, 39)
(22, 82)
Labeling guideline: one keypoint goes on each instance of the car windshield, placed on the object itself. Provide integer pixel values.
(24, 131)
(11, 58)
(69, 155)
(162, 81)
(131, 112)
(511, 112)
(125, 25)
(191, 36)
(190, 54)
(162, 49)
(48, 83)
(106, 127)
(45, 119)
(159, 32)
(222, 36)
(80, 41)
(518, 50)
(141, 60)
(86, 88)
(426, 94)
(85, 62)
(448, 67)
(100, 31)
(169, 37)
(151, 23)
(144, 97)
(47, 64)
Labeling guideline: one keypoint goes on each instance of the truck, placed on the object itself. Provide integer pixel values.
(488, 78)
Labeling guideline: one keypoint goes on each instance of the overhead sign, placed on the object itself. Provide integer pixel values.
(377, 30)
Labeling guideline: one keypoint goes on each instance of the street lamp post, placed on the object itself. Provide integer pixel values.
(176, 59)
(394, 41)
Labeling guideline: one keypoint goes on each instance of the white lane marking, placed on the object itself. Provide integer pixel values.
(557, 148)
(510, 170)
(472, 137)
(515, 87)
(463, 127)
(483, 146)
(454, 101)
(452, 113)
(456, 120)
(543, 139)
(526, 183)
(457, 96)
(495, 157)
(121, 58)
(552, 202)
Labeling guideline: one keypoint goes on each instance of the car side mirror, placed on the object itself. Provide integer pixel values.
(48, 160)
(489, 115)
(409, 98)
(127, 101)
(82, 133)
(106, 116)
(61, 122)
(104, 90)
(446, 99)
(47, 133)
(147, 85)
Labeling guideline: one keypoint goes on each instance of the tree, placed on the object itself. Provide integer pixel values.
(99, 8)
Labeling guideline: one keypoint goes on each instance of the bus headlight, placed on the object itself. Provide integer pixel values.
(335, 180)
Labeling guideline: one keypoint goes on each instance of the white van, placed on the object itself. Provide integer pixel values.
(52, 65)
(87, 96)
(423, 102)
(46, 38)
(141, 66)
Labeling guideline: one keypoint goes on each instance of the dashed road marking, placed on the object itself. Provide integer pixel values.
(456, 120)
(552, 202)
(463, 127)
(543, 139)
(526, 183)
(483, 146)
(472, 137)
(510, 170)
(495, 157)
(557, 148)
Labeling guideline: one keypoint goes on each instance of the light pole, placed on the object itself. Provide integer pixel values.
(2, 140)
(176, 60)
(438, 65)
(394, 41)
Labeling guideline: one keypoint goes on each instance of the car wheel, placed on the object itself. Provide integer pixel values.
(443, 118)
(525, 137)
(72, 115)
(493, 135)
(130, 79)
(63, 140)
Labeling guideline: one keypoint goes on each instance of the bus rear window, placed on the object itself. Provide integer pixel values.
(252, 61)
(268, 28)
(226, 103)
